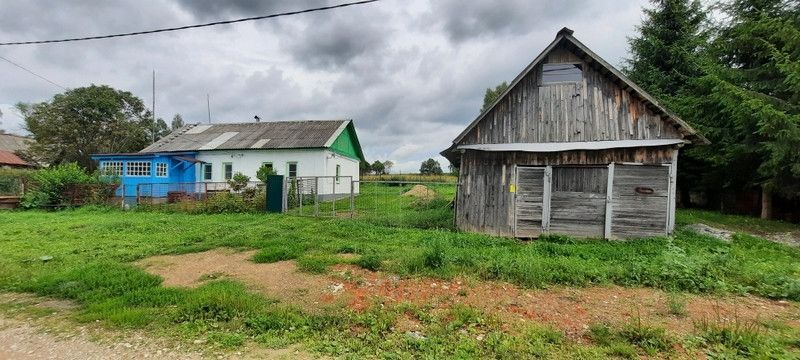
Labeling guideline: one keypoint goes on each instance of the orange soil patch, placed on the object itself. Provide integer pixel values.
(280, 280)
(571, 310)
(421, 192)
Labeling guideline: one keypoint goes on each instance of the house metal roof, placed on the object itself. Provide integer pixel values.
(9, 158)
(261, 135)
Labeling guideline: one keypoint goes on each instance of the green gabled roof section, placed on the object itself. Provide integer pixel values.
(346, 144)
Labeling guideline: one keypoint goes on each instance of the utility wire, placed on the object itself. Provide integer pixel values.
(324, 8)
(33, 73)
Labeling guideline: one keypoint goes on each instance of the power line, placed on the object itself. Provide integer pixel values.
(324, 8)
(33, 73)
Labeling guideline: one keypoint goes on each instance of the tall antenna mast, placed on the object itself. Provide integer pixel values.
(153, 130)
(208, 103)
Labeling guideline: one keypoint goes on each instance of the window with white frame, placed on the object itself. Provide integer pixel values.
(227, 170)
(207, 172)
(138, 168)
(338, 172)
(291, 169)
(112, 168)
(161, 169)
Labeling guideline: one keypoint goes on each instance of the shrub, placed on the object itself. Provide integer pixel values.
(238, 182)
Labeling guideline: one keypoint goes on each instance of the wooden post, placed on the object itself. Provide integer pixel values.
(673, 176)
(609, 201)
(334, 197)
(548, 182)
(122, 202)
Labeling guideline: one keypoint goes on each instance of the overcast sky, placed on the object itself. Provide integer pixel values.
(410, 73)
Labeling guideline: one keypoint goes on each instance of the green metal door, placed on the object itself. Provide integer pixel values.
(275, 193)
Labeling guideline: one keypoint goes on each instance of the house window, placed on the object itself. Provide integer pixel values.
(207, 172)
(338, 172)
(560, 73)
(227, 170)
(112, 168)
(291, 169)
(161, 169)
(138, 168)
(268, 165)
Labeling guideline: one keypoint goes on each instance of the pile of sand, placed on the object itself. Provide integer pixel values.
(420, 192)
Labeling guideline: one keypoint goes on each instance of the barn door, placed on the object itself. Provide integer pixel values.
(640, 201)
(529, 209)
(578, 201)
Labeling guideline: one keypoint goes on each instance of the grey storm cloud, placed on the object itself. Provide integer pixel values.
(215, 9)
(463, 20)
(411, 73)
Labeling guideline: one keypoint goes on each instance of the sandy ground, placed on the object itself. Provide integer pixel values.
(571, 310)
(279, 280)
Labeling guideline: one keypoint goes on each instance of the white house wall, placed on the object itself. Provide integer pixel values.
(310, 162)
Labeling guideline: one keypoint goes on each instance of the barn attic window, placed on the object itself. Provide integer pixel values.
(561, 73)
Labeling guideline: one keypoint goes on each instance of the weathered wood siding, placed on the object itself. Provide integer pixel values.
(485, 203)
(578, 201)
(593, 109)
(639, 214)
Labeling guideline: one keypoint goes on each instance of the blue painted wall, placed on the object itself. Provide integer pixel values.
(179, 172)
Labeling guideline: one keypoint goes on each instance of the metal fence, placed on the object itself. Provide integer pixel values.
(168, 193)
(395, 203)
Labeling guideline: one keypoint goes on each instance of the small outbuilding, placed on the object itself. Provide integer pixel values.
(572, 147)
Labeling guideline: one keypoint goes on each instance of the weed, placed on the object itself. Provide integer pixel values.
(371, 261)
(314, 264)
(226, 340)
(736, 338)
(676, 304)
(278, 253)
(650, 339)
(219, 301)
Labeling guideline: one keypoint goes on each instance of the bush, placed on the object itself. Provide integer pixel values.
(13, 180)
(49, 185)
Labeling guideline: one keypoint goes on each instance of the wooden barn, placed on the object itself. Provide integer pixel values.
(572, 147)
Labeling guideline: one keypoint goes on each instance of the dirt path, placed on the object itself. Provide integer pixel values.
(34, 328)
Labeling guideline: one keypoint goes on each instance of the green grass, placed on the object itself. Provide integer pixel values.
(92, 250)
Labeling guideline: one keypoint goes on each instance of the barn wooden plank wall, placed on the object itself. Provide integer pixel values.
(486, 204)
(591, 110)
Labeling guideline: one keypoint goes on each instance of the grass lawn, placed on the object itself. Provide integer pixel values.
(92, 251)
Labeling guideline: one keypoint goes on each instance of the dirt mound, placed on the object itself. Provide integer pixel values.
(420, 192)
(280, 280)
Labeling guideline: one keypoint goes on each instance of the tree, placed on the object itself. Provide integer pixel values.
(82, 121)
(378, 168)
(364, 167)
(264, 171)
(666, 53)
(748, 104)
(238, 182)
(453, 169)
(492, 95)
(177, 122)
(430, 167)
(387, 165)
(159, 130)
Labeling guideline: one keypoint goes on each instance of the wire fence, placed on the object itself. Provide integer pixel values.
(169, 193)
(393, 203)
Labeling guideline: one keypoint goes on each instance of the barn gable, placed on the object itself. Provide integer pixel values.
(568, 94)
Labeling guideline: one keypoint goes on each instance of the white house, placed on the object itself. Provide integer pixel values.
(215, 152)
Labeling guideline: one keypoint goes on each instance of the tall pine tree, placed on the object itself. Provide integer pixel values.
(748, 103)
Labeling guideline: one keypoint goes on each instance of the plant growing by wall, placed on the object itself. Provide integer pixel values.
(238, 182)
(265, 171)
